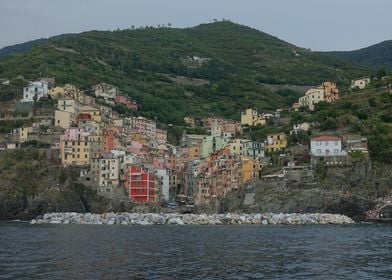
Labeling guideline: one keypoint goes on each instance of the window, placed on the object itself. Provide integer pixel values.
(318, 143)
(318, 151)
(336, 143)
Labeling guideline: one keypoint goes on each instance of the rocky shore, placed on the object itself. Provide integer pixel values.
(190, 219)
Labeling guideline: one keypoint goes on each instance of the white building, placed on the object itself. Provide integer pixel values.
(311, 97)
(35, 91)
(359, 83)
(326, 146)
(300, 127)
(106, 170)
(106, 92)
(163, 175)
(327, 91)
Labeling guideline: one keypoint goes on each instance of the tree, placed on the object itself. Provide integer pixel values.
(62, 177)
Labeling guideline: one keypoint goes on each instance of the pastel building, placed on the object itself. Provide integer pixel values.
(66, 113)
(95, 113)
(161, 136)
(143, 126)
(35, 91)
(74, 147)
(276, 142)
(211, 144)
(325, 146)
(23, 133)
(106, 170)
(252, 118)
(360, 83)
(327, 91)
(253, 149)
(106, 92)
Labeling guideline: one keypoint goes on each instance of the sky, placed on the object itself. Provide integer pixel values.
(322, 25)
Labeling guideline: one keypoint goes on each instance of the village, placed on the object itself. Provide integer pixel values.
(130, 156)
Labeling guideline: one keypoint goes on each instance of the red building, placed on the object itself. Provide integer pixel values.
(125, 100)
(108, 141)
(140, 184)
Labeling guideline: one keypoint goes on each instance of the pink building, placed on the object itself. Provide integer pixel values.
(74, 134)
(135, 147)
(159, 163)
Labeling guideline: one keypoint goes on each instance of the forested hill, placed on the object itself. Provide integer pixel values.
(20, 48)
(231, 61)
(378, 56)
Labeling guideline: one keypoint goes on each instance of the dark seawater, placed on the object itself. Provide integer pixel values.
(195, 252)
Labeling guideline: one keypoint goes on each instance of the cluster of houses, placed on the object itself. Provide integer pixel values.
(327, 92)
(113, 153)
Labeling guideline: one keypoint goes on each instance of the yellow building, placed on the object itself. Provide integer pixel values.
(57, 92)
(189, 121)
(250, 169)
(67, 110)
(252, 118)
(276, 142)
(24, 133)
(235, 146)
(64, 119)
(194, 152)
(75, 152)
(141, 138)
(75, 147)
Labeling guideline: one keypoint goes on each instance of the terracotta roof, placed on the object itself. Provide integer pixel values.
(326, 138)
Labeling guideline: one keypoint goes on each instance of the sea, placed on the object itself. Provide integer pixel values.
(360, 251)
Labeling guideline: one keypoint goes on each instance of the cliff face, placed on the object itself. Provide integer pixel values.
(33, 182)
(349, 191)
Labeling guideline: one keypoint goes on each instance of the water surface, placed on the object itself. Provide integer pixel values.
(195, 252)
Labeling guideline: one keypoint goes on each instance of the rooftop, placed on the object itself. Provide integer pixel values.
(326, 138)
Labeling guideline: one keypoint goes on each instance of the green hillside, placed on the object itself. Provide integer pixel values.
(20, 48)
(378, 56)
(234, 63)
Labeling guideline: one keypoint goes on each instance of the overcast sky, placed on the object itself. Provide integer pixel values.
(315, 24)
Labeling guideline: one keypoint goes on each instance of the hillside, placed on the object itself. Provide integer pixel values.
(377, 56)
(20, 48)
(234, 60)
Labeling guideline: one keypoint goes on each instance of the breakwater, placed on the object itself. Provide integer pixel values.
(190, 219)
